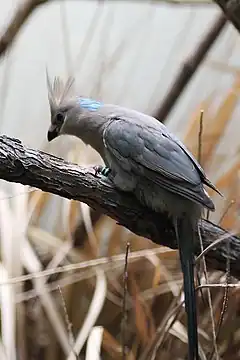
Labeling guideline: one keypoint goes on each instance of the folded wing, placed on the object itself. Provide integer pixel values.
(149, 152)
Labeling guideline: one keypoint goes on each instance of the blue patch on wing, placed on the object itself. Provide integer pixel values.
(90, 104)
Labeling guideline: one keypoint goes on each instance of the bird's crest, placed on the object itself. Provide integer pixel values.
(58, 91)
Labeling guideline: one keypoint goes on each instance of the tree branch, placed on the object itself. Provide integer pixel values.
(19, 163)
(21, 15)
(189, 67)
(231, 9)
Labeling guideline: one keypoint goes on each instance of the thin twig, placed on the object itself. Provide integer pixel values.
(209, 301)
(169, 325)
(226, 292)
(89, 34)
(219, 286)
(106, 263)
(214, 244)
(68, 323)
(66, 39)
(163, 329)
(24, 10)
(232, 202)
(202, 248)
(224, 303)
(200, 134)
(124, 307)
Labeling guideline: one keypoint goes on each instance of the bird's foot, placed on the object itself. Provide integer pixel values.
(101, 170)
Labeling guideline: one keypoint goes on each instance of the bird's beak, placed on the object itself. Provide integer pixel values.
(52, 133)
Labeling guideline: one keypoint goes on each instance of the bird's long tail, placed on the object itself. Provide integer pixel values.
(185, 237)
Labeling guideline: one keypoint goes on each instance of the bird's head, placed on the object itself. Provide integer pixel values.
(67, 111)
(61, 105)
(59, 118)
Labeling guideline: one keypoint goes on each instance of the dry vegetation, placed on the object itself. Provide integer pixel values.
(71, 308)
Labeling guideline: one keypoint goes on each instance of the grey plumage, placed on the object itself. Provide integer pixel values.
(149, 161)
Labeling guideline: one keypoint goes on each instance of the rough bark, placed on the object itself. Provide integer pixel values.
(19, 163)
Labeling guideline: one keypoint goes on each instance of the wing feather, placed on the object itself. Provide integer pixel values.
(150, 153)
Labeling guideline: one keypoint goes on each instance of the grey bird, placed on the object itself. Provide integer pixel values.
(143, 158)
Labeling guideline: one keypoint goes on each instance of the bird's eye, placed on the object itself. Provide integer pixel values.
(60, 118)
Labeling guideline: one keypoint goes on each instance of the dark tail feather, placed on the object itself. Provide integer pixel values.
(185, 237)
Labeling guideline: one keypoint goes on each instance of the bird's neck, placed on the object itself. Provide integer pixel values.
(90, 129)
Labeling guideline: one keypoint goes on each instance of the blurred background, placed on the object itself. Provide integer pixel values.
(127, 53)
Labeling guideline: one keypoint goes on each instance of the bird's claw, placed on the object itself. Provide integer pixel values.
(101, 170)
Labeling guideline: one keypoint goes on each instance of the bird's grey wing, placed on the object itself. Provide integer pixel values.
(196, 163)
(147, 152)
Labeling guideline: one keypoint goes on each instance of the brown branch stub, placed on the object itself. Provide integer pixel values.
(21, 15)
(231, 9)
(19, 163)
